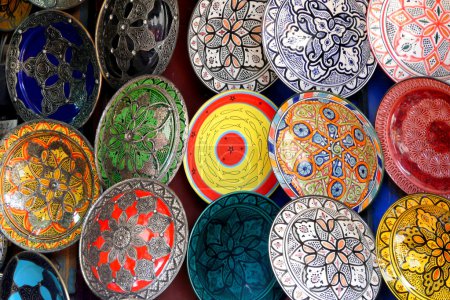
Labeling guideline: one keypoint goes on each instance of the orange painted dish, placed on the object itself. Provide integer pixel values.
(12, 13)
(48, 181)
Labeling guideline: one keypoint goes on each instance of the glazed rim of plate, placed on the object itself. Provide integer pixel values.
(367, 71)
(183, 135)
(43, 257)
(391, 272)
(42, 4)
(237, 85)
(177, 253)
(316, 202)
(193, 122)
(388, 104)
(369, 131)
(196, 228)
(98, 81)
(19, 239)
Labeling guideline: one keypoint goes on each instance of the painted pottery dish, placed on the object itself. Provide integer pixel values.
(56, 4)
(142, 132)
(227, 148)
(320, 249)
(225, 45)
(51, 68)
(30, 275)
(321, 144)
(413, 247)
(413, 122)
(134, 240)
(319, 45)
(135, 37)
(12, 13)
(410, 38)
(228, 252)
(48, 181)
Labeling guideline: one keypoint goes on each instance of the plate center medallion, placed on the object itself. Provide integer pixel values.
(231, 148)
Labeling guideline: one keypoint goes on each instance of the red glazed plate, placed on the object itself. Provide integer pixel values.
(413, 123)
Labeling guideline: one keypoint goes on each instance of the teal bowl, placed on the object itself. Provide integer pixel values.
(228, 252)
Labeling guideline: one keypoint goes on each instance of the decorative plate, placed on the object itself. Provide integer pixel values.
(225, 45)
(48, 181)
(142, 132)
(30, 275)
(321, 144)
(3, 249)
(410, 38)
(134, 240)
(413, 122)
(329, 53)
(135, 37)
(56, 4)
(228, 252)
(320, 249)
(51, 69)
(12, 13)
(413, 247)
(227, 149)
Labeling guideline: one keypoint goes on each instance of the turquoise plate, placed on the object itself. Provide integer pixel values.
(228, 252)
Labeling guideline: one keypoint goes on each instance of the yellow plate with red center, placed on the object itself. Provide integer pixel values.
(227, 146)
(48, 181)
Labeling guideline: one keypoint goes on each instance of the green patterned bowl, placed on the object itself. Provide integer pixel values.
(228, 252)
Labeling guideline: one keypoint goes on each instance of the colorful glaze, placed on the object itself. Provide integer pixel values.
(12, 13)
(227, 149)
(51, 69)
(135, 37)
(134, 240)
(225, 45)
(48, 182)
(142, 132)
(228, 251)
(320, 249)
(56, 4)
(413, 247)
(329, 53)
(321, 144)
(413, 122)
(411, 38)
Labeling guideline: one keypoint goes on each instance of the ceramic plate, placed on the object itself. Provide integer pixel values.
(51, 69)
(134, 240)
(321, 144)
(320, 249)
(48, 181)
(142, 132)
(319, 45)
(410, 38)
(56, 4)
(12, 13)
(225, 45)
(227, 149)
(228, 251)
(30, 275)
(413, 247)
(413, 122)
(134, 38)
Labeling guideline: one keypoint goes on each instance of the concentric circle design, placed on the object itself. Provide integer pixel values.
(413, 122)
(319, 45)
(228, 250)
(227, 149)
(225, 45)
(142, 132)
(321, 144)
(48, 182)
(411, 38)
(320, 249)
(13, 12)
(134, 240)
(413, 247)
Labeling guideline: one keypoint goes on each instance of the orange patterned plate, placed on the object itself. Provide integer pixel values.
(48, 181)
(12, 13)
